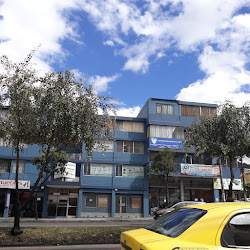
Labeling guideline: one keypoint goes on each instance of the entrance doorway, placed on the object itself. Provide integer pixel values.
(62, 202)
(120, 204)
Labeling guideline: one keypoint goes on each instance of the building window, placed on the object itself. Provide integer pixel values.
(136, 202)
(91, 200)
(5, 165)
(96, 201)
(87, 168)
(165, 109)
(130, 171)
(108, 146)
(166, 132)
(189, 110)
(98, 169)
(130, 147)
(21, 168)
(129, 126)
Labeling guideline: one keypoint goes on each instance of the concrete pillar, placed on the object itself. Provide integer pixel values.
(113, 204)
(79, 205)
(181, 190)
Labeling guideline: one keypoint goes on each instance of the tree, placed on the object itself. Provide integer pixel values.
(54, 111)
(16, 87)
(221, 135)
(66, 114)
(163, 164)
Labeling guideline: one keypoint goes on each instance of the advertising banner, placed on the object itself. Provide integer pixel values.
(12, 184)
(132, 171)
(200, 170)
(237, 185)
(101, 169)
(70, 171)
(156, 142)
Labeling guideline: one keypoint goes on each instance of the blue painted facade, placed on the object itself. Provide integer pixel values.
(126, 190)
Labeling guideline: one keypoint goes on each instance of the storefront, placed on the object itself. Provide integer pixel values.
(62, 202)
(7, 195)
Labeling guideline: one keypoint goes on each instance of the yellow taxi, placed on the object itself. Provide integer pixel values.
(217, 226)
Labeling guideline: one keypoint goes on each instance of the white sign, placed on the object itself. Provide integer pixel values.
(200, 170)
(226, 182)
(132, 171)
(101, 169)
(70, 171)
(12, 184)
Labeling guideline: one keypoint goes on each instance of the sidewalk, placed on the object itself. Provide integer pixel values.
(116, 219)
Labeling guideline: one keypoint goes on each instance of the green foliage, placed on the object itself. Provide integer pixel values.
(226, 134)
(164, 163)
(54, 111)
(247, 185)
(48, 162)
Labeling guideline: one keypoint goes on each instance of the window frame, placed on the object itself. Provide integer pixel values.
(222, 241)
(121, 126)
(133, 146)
(160, 106)
(8, 167)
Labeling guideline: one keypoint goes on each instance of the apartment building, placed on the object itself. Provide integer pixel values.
(115, 183)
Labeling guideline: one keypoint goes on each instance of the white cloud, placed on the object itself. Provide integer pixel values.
(100, 83)
(109, 43)
(128, 112)
(28, 23)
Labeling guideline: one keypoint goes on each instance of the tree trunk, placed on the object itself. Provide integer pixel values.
(243, 180)
(222, 184)
(16, 230)
(167, 191)
(230, 191)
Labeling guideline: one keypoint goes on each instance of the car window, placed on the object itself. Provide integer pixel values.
(236, 233)
(175, 223)
(180, 205)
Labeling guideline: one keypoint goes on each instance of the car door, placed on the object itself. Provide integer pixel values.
(234, 232)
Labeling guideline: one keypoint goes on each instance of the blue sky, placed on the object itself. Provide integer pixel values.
(191, 50)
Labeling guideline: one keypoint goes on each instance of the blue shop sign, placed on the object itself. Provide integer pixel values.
(173, 143)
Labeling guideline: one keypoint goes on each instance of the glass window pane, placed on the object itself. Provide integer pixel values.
(175, 223)
(120, 125)
(102, 201)
(118, 170)
(61, 211)
(236, 232)
(21, 168)
(5, 165)
(119, 146)
(136, 202)
(91, 200)
(72, 211)
(128, 147)
(127, 126)
(158, 108)
(138, 127)
(138, 147)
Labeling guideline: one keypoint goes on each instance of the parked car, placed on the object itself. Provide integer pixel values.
(163, 211)
(202, 226)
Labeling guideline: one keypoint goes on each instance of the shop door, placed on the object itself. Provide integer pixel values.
(121, 204)
(62, 202)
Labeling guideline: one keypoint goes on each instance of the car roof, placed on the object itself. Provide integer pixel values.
(218, 205)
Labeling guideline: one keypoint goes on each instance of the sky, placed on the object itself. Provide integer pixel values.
(133, 50)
